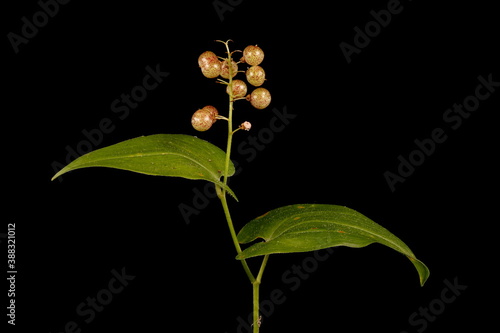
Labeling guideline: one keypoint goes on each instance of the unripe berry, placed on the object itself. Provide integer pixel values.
(212, 71)
(253, 55)
(206, 58)
(260, 98)
(239, 89)
(210, 65)
(256, 76)
(213, 111)
(202, 120)
(225, 69)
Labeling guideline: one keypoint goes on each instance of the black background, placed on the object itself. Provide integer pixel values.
(352, 121)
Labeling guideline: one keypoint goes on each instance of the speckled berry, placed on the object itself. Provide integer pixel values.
(239, 89)
(225, 69)
(213, 111)
(253, 55)
(202, 120)
(206, 58)
(256, 76)
(260, 98)
(210, 65)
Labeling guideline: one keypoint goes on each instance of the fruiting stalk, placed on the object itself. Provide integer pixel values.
(222, 196)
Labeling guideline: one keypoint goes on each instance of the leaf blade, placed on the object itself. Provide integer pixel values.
(306, 227)
(172, 155)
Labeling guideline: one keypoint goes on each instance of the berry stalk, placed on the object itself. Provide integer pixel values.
(223, 196)
(255, 281)
(211, 67)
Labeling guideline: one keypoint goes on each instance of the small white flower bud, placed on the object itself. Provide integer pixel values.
(246, 126)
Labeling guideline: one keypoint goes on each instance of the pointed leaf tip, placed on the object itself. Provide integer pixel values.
(171, 155)
(310, 227)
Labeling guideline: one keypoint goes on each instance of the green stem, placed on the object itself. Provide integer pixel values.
(262, 267)
(235, 239)
(256, 316)
(222, 195)
(256, 286)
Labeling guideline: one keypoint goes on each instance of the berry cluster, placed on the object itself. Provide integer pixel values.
(204, 118)
(213, 66)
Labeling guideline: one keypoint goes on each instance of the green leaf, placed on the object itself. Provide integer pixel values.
(302, 228)
(174, 155)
